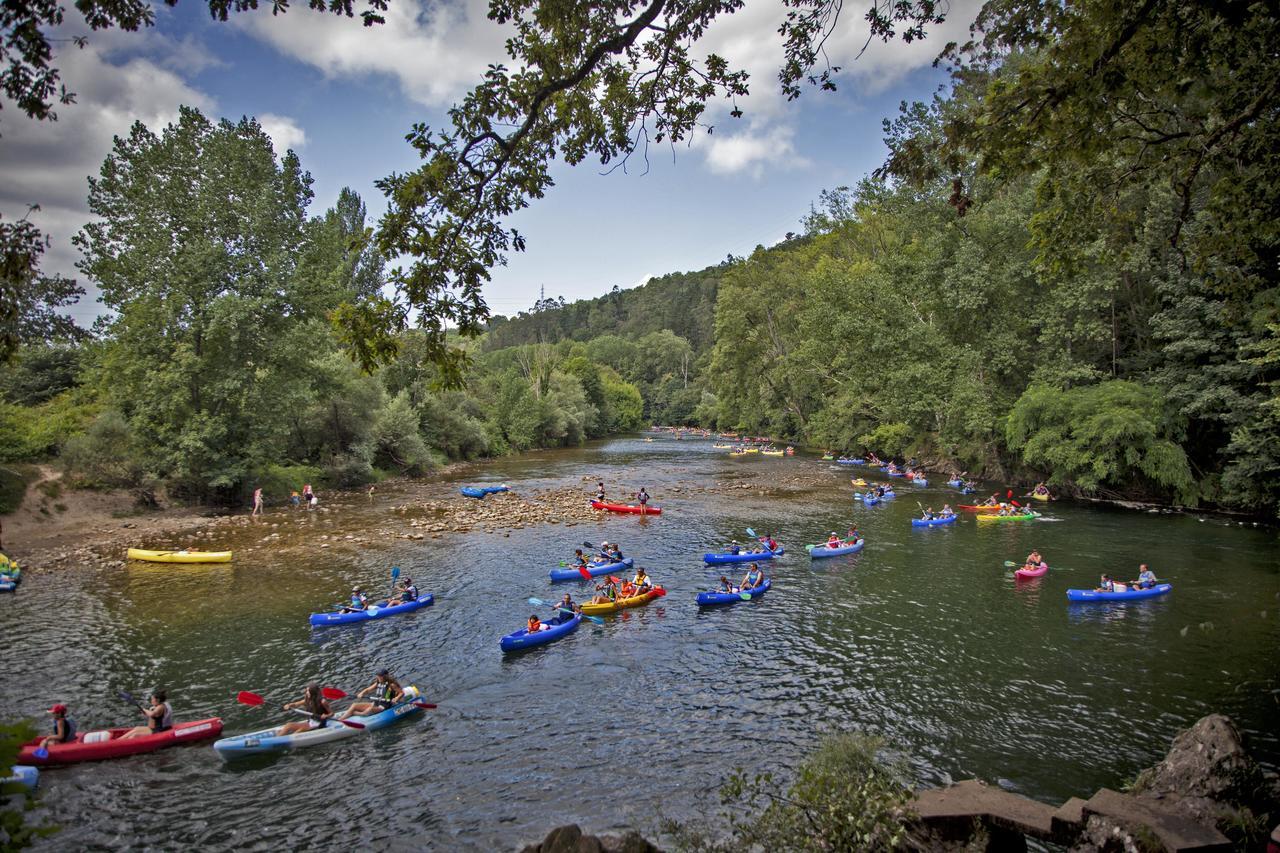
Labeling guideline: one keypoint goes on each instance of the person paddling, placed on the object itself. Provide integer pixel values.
(833, 541)
(358, 602)
(1106, 585)
(641, 581)
(384, 692)
(752, 579)
(408, 592)
(64, 728)
(1146, 578)
(159, 717)
(567, 604)
(313, 702)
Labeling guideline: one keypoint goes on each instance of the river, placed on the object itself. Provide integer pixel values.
(923, 638)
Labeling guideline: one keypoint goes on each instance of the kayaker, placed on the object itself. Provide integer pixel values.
(358, 602)
(579, 559)
(159, 717)
(384, 692)
(64, 728)
(566, 603)
(852, 535)
(641, 581)
(833, 541)
(947, 511)
(612, 552)
(929, 514)
(734, 548)
(1034, 558)
(725, 586)
(534, 625)
(408, 592)
(1106, 585)
(879, 491)
(314, 704)
(752, 579)
(627, 589)
(607, 592)
(600, 492)
(1146, 578)
(770, 542)
(994, 500)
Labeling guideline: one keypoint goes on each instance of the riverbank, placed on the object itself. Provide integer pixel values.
(57, 527)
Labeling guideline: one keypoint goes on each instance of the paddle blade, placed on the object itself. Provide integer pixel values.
(658, 592)
(612, 579)
(352, 725)
(1010, 563)
(395, 571)
(751, 533)
(588, 545)
(536, 602)
(127, 696)
(582, 570)
(333, 693)
(425, 705)
(745, 596)
(1015, 503)
(244, 697)
(595, 619)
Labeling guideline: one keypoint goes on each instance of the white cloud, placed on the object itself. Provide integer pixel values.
(284, 132)
(752, 150)
(436, 51)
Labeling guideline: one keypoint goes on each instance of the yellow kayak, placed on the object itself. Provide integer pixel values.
(772, 453)
(859, 482)
(615, 606)
(752, 450)
(1040, 497)
(180, 556)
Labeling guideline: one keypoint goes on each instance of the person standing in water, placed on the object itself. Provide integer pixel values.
(257, 501)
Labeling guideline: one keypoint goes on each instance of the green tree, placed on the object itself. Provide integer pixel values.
(194, 247)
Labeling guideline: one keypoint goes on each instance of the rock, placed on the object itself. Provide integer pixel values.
(571, 839)
(1207, 775)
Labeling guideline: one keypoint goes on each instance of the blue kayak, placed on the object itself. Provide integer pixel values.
(895, 473)
(888, 496)
(21, 778)
(715, 598)
(920, 481)
(714, 559)
(851, 462)
(967, 491)
(819, 551)
(1093, 595)
(493, 490)
(375, 611)
(596, 569)
(7, 586)
(473, 492)
(955, 484)
(932, 522)
(868, 499)
(557, 628)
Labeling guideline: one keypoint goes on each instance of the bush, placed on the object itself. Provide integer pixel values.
(104, 456)
(13, 488)
(891, 439)
(279, 481)
(844, 797)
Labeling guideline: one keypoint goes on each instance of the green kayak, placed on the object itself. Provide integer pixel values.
(988, 517)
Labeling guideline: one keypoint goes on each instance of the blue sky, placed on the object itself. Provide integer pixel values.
(343, 97)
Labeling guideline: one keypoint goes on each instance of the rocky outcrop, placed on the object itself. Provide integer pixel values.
(571, 839)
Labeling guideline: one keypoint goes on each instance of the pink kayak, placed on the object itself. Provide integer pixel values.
(1039, 571)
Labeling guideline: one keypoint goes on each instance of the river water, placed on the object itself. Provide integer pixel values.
(923, 638)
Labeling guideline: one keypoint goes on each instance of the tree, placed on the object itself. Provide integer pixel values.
(194, 247)
(29, 300)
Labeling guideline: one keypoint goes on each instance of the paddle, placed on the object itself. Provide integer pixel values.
(395, 573)
(126, 696)
(752, 533)
(538, 602)
(244, 697)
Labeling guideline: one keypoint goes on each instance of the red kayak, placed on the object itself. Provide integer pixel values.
(638, 510)
(1025, 573)
(107, 743)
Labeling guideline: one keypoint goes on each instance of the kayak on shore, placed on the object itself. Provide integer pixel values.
(109, 743)
(744, 557)
(818, 552)
(716, 597)
(632, 508)
(187, 556)
(373, 611)
(622, 603)
(552, 630)
(267, 741)
(1095, 595)
(594, 569)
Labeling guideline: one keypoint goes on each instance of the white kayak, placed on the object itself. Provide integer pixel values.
(267, 741)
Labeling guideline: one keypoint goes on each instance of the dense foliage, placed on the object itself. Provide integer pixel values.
(219, 369)
(843, 797)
